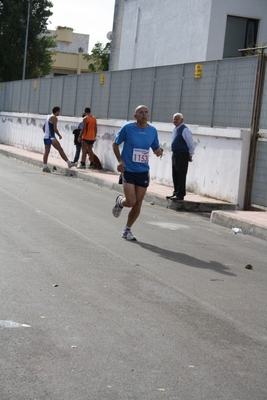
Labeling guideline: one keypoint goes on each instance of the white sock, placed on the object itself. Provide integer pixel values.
(45, 166)
(119, 203)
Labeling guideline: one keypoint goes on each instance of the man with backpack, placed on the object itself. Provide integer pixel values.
(77, 142)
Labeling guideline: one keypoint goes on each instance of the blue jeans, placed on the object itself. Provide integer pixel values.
(78, 151)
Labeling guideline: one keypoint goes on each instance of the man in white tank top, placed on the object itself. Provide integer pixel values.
(50, 130)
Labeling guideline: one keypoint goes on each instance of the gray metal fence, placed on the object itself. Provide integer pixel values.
(259, 190)
(222, 97)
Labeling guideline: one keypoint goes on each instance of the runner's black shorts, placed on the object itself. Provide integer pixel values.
(89, 141)
(136, 178)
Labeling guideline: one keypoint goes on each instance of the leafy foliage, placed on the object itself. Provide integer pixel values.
(99, 57)
(253, 49)
(64, 27)
(13, 22)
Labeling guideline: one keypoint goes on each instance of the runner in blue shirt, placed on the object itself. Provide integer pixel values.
(137, 138)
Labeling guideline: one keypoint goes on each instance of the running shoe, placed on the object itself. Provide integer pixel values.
(81, 166)
(72, 164)
(116, 210)
(128, 235)
(46, 169)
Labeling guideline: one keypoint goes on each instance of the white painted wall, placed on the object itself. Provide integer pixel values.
(218, 170)
(165, 32)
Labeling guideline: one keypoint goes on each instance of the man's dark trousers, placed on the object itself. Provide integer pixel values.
(179, 171)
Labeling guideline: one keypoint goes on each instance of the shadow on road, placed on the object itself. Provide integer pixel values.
(186, 259)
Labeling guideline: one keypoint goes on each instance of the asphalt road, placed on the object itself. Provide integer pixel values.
(87, 315)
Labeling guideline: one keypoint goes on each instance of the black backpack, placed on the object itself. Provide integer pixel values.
(76, 134)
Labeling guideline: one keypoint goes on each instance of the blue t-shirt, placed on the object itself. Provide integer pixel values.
(136, 144)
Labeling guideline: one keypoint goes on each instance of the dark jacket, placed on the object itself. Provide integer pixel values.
(76, 134)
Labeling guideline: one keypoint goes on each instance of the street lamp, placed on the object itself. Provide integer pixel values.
(26, 40)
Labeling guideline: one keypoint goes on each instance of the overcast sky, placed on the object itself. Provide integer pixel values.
(92, 17)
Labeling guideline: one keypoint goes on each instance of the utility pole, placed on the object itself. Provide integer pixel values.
(255, 122)
(26, 40)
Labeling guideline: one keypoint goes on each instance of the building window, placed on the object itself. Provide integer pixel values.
(241, 33)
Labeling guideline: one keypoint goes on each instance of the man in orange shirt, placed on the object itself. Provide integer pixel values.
(88, 136)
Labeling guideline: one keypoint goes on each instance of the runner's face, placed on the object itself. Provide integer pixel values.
(142, 115)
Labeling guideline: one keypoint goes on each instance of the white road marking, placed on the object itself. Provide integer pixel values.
(12, 324)
(169, 225)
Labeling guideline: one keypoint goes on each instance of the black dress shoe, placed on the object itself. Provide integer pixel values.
(174, 197)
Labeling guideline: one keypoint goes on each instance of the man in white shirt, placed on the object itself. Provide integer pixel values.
(182, 147)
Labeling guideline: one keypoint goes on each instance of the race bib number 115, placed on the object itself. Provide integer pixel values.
(140, 155)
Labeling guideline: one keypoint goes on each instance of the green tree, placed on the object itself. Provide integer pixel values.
(13, 22)
(99, 57)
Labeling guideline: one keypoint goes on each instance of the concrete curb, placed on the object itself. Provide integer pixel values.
(247, 227)
(221, 213)
(20, 157)
(152, 198)
(65, 171)
(199, 206)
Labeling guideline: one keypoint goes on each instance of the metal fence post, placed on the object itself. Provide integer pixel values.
(214, 94)
(153, 92)
(255, 128)
(128, 106)
(76, 94)
(92, 91)
(181, 90)
(109, 91)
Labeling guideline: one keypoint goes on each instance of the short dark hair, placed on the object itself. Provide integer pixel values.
(56, 109)
(87, 110)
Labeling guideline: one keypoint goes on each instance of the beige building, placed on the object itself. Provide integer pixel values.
(69, 52)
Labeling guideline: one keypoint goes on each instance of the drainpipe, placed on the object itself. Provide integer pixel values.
(116, 35)
(136, 36)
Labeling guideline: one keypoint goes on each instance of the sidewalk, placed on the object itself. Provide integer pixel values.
(252, 223)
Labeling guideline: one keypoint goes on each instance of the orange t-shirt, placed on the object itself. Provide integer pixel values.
(90, 131)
